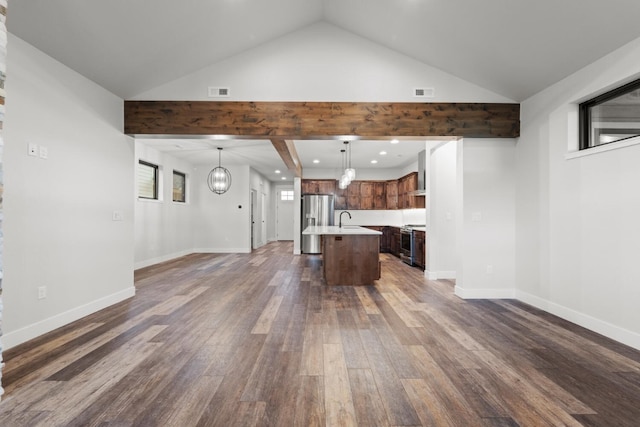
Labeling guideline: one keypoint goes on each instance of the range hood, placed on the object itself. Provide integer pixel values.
(422, 160)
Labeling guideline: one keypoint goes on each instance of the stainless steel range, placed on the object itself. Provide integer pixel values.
(407, 250)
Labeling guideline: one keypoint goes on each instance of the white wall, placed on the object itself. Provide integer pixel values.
(163, 228)
(486, 233)
(577, 219)
(58, 229)
(222, 222)
(322, 63)
(442, 249)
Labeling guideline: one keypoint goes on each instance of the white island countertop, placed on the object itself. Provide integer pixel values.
(323, 230)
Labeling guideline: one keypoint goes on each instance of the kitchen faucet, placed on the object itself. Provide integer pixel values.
(340, 221)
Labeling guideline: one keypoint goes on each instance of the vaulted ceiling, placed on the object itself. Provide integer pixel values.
(514, 48)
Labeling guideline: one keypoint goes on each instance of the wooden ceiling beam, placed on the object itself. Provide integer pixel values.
(287, 151)
(321, 120)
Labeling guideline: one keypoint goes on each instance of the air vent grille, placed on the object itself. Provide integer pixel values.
(423, 92)
(219, 92)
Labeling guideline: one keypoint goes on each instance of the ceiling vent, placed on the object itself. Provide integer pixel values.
(219, 92)
(423, 92)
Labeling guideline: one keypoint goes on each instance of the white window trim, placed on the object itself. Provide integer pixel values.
(603, 148)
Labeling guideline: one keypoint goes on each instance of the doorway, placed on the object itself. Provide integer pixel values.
(284, 213)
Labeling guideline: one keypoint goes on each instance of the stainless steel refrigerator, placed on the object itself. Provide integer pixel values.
(317, 209)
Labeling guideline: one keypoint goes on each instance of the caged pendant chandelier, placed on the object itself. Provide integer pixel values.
(219, 179)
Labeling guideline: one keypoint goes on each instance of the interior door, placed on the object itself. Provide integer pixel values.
(254, 203)
(284, 214)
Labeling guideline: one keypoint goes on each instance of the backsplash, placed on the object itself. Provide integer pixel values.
(384, 217)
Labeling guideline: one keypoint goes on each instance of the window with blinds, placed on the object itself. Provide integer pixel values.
(179, 187)
(147, 180)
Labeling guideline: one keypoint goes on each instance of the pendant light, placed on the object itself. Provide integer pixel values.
(219, 179)
(345, 177)
(343, 182)
(350, 172)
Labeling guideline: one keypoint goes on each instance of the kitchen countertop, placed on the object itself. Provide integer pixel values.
(335, 230)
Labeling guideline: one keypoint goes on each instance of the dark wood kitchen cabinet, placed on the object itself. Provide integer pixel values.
(391, 194)
(385, 237)
(394, 247)
(379, 195)
(407, 186)
(318, 186)
(353, 195)
(340, 200)
(419, 248)
(366, 194)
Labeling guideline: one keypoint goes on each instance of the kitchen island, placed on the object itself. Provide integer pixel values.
(350, 254)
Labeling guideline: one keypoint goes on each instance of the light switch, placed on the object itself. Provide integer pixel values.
(476, 216)
(44, 152)
(117, 216)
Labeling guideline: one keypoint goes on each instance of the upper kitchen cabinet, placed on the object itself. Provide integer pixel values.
(369, 195)
(407, 187)
(318, 186)
(391, 194)
(353, 195)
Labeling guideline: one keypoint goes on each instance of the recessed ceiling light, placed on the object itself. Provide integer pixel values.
(277, 170)
(374, 161)
(383, 153)
(284, 177)
(394, 141)
(316, 161)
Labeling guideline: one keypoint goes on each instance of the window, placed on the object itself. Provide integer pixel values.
(286, 195)
(610, 117)
(179, 187)
(147, 180)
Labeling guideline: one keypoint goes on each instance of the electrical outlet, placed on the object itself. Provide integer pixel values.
(489, 269)
(42, 292)
(117, 216)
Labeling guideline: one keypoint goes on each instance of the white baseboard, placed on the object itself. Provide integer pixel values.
(484, 293)
(431, 275)
(437, 275)
(622, 335)
(158, 260)
(12, 339)
(607, 329)
(222, 251)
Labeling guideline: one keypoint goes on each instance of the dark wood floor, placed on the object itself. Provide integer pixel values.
(257, 339)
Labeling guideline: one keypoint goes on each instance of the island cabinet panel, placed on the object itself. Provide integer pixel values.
(318, 186)
(351, 260)
(384, 237)
(419, 240)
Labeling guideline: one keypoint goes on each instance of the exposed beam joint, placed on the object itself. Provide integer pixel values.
(287, 151)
